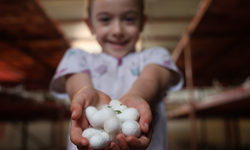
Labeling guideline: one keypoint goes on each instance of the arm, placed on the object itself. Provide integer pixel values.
(151, 83)
(75, 82)
(81, 91)
(143, 95)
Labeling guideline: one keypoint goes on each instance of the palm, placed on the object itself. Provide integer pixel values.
(79, 122)
(145, 118)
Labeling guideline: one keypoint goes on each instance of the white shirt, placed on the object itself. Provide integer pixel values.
(115, 77)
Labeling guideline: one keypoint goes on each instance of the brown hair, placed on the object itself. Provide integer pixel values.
(89, 5)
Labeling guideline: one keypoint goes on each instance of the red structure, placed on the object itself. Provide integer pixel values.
(31, 47)
(216, 47)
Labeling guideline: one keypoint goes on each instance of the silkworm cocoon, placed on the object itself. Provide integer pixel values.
(113, 137)
(88, 133)
(97, 119)
(117, 105)
(131, 127)
(112, 125)
(99, 140)
(128, 114)
(104, 106)
(90, 111)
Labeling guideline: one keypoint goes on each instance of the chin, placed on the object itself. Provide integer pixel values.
(119, 55)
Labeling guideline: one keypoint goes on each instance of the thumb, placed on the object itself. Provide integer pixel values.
(145, 119)
(77, 105)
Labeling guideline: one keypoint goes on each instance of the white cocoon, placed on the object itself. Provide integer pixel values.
(131, 127)
(97, 119)
(104, 106)
(128, 114)
(90, 111)
(99, 140)
(112, 125)
(117, 105)
(88, 133)
(113, 138)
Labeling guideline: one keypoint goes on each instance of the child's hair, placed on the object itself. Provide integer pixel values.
(89, 5)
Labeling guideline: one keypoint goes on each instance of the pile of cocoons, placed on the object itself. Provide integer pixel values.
(110, 120)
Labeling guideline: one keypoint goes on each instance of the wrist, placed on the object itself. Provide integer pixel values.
(130, 100)
(85, 87)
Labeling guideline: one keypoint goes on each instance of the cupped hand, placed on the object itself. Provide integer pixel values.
(87, 96)
(145, 121)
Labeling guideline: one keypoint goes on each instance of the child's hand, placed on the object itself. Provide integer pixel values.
(131, 142)
(84, 98)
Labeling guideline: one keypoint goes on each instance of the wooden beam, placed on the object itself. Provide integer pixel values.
(196, 20)
(192, 26)
(170, 19)
(161, 38)
(232, 96)
(36, 42)
(180, 46)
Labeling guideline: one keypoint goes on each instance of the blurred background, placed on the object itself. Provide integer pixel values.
(208, 40)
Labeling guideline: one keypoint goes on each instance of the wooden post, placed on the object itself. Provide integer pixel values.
(24, 144)
(190, 88)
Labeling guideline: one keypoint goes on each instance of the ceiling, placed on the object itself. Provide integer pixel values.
(36, 33)
(219, 43)
(30, 43)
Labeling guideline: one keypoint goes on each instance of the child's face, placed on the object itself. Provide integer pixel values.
(116, 24)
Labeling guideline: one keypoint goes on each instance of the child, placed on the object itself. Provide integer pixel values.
(138, 80)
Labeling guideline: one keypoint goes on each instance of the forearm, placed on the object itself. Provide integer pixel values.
(75, 82)
(146, 89)
(150, 85)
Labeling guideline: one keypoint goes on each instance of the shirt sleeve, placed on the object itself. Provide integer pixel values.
(161, 56)
(73, 61)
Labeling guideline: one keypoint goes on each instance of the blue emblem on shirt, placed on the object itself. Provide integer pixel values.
(135, 71)
(71, 53)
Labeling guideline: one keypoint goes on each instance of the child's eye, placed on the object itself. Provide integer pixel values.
(130, 19)
(104, 19)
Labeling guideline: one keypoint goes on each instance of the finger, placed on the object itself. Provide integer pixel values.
(144, 110)
(113, 146)
(77, 105)
(138, 143)
(134, 142)
(105, 98)
(76, 134)
(83, 148)
(145, 118)
(122, 142)
(142, 142)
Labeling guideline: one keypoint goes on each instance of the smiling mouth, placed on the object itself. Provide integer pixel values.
(117, 45)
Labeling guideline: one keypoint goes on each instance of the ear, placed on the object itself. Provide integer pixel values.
(88, 22)
(144, 20)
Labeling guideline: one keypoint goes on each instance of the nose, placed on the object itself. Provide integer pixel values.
(117, 29)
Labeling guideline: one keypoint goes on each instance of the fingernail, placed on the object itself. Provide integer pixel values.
(120, 140)
(146, 126)
(112, 147)
(73, 113)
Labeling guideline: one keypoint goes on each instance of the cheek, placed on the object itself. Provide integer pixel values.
(100, 30)
(101, 34)
(134, 33)
(133, 30)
